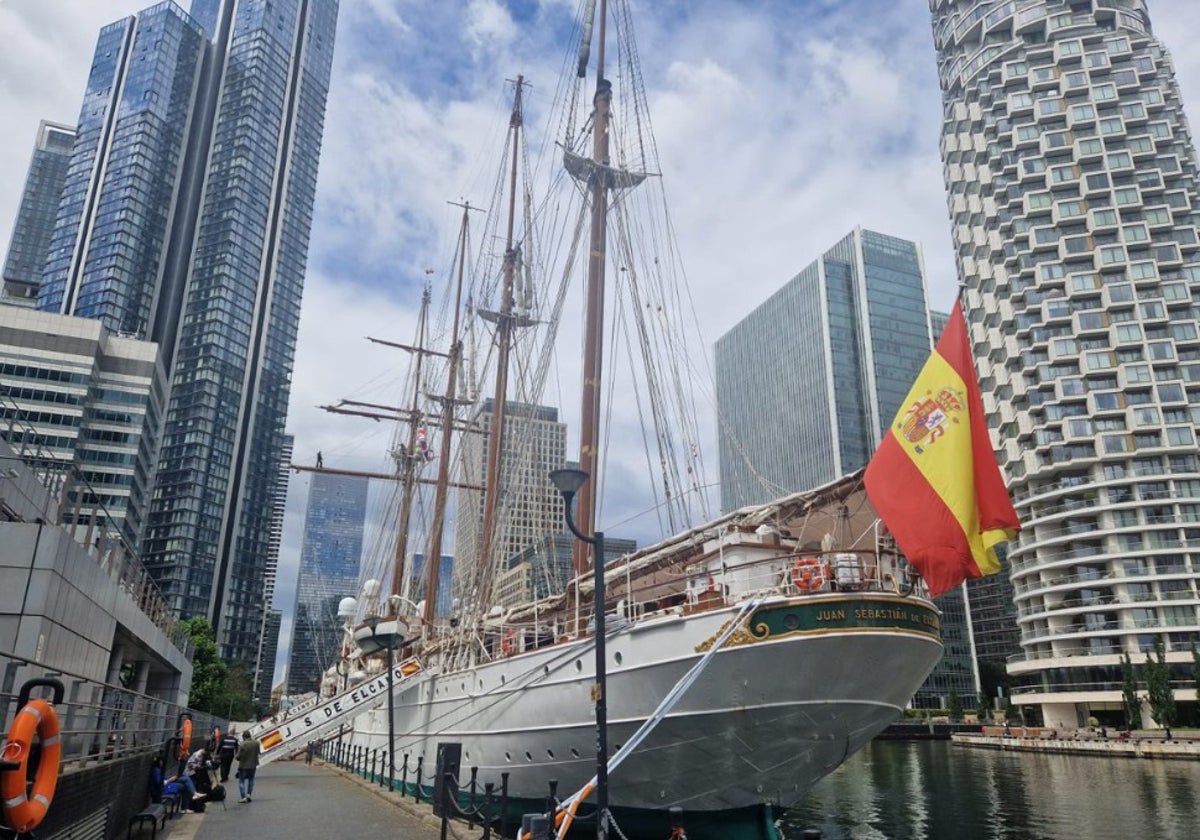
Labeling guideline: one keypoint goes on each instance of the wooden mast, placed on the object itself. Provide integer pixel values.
(593, 356)
(504, 326)
(434, 558)
(407, 461)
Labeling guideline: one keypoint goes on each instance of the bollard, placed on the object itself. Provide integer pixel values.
(420, 765)
(488, 790)
(374, 754)
(552, 799)
(471, 813)
(504, 804)
(382, 764)
(404, 777)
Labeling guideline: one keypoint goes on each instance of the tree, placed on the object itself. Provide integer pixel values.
(208, 671)
(1129, 695)
(217, 688)
(1158, 686)
(954, 706)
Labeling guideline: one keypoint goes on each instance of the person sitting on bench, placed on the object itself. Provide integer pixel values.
(193, 776)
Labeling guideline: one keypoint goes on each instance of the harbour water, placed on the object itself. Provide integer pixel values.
(931, 790)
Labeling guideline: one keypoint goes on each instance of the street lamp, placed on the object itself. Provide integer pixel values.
(387, 641)
(568, 482)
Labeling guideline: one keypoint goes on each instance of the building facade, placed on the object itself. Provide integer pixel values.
(268, 645)
(808, 382)
(529, 508)
(1072, 186)
(184, 219)
(330, 562)
(444, 607)
(82, 407)
(546, 567)
(35, 218)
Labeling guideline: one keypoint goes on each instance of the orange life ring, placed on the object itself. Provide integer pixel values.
(185, 738)
(809, 574)
(24, 812)
(509, 643)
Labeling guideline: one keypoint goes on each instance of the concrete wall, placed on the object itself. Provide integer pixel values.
(60, 606)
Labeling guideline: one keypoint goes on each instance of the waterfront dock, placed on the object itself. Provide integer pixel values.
(1085, 743)
(297, 800)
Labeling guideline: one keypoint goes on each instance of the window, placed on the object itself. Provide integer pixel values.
(1112, 255)
(1112, 125)
(1180, 436)
(1136, 233)
(1127, 196)
(1071, 209)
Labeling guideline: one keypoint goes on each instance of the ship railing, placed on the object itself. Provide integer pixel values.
(99, 721)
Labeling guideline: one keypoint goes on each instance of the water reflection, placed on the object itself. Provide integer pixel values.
(918, 790)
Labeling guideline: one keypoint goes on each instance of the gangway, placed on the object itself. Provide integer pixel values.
(279, 738)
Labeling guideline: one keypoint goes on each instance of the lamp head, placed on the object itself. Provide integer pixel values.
(372, 621)
(568, 481)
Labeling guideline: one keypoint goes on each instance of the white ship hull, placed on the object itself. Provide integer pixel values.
(775, 710)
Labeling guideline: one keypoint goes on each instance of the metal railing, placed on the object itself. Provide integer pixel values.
(98, 721)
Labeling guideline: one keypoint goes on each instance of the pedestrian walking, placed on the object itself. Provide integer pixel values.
(247, 758)
(227, 752)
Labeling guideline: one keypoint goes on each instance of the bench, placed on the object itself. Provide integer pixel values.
(155, 813)
(172, 802)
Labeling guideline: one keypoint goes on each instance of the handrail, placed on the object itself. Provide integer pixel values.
(99, 721)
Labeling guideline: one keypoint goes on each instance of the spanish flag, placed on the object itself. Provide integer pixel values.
(934, 480)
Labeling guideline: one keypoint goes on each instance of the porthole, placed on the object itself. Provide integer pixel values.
(550, 753)
(617, 657)
(528, 756)
(574, 752)
(503, 679)
(578, 665)
(508, 756)
(546, 670)
(791, 621)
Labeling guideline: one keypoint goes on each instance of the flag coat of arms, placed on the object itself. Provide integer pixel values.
(934, 480)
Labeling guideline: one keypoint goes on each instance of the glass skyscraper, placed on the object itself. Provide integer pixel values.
(185, 219)
(330, 561)
(35, 218)
(808, 383)
(1073, 193)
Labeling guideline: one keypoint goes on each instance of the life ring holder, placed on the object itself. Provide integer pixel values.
(24, 812)
(808, 574)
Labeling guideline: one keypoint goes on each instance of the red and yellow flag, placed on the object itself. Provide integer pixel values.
(934, 480)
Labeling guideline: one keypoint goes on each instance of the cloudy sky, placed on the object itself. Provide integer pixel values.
(781, 125)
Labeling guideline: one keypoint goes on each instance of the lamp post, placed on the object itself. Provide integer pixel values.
(372, 621)
(568, 482)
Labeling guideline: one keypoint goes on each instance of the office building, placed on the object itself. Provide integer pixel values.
(546, 567)
(444, 607)
(529, 508)
(81, 406)
(35, 218)
(330, 561)
(184, 220)
(1072, 188)
(808, 383)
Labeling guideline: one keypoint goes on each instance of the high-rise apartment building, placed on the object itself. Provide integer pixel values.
(529, 508)
(808, 383)
(82, 406)
(35, 218)
(268, 644)
(185, 219)
(1073, 191)
(330, 561)
(444, 607)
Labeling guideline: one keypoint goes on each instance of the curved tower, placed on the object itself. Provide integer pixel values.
(1072, 187)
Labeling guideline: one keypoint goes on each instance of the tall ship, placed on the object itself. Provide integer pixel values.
(736, 661)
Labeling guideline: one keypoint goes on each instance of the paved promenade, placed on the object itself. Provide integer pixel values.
(296, 801)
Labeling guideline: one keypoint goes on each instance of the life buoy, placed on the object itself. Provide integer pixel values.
(185, 738)
(25, 811)
(809, 574)
(509, 643)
